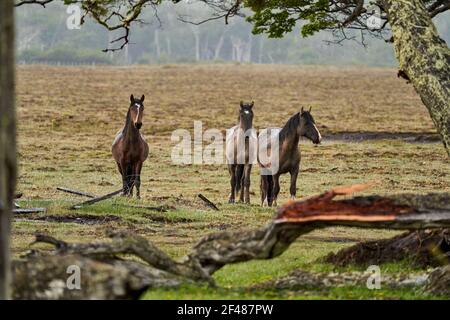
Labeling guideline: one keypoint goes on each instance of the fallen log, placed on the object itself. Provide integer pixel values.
(297, 218)
(208, 202)
(79, 193)
(216, 250)
(162, 208)
(423, 248)
(301, 280)
(95, 200)
(28, 210)
(47, 277)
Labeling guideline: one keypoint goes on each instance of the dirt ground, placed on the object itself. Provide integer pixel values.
(374, 125)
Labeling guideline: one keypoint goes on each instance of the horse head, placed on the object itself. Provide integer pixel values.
(136, 111)
(308, 127)
(246, 115)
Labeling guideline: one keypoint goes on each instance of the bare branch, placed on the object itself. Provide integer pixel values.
(39, 2)
(359, 8)
(222, 10)
(439, 7)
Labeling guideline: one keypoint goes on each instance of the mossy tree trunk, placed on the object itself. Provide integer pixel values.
(424, 57)
(7, 139)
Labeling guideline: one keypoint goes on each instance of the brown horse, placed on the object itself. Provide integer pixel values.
(130, 149)
(240, 144)
(287, 157)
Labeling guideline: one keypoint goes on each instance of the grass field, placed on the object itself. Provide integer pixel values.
(68, 117)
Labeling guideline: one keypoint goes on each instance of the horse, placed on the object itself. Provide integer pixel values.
(288, 156)
(240, 142)
(130, 149)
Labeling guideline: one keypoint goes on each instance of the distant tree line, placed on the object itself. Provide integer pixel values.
(44, 38)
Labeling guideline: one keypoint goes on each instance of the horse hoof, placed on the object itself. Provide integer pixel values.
(292, 198)
(231, 201)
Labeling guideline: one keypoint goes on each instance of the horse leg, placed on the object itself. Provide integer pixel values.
(261, 188)
(294, 174)
(123, 178)
(276, 188)
(123, 171)
(240, 173)
(124, 186)
(137, 179)
(130, 186)
(246, 184)
(264, 190)
(269, 190)
(132, 179)
(232, 170)
(128, 178)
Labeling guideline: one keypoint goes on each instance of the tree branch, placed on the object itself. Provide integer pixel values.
(39, 2)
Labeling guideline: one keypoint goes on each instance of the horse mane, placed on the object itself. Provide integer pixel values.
(291, 125)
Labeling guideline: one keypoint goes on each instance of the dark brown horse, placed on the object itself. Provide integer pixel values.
(241, 152)
(287, 157)
(130, 149)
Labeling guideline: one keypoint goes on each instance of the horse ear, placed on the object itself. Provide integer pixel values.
(131, 98)
(310, 107)
(142, 98)
(252, 104)
(302, 110)
(241, 104)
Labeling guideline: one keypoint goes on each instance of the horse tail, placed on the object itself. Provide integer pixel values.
(239, 177)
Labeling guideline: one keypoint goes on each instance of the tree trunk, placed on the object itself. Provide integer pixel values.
(424, 57)
(196, 33)
(219, 47)
(261, 50)
(157, 45)
(7, 139)
(247, 50)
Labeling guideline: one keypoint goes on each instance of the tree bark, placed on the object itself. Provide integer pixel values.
(424, 57)
(439, 281)
(7, 139)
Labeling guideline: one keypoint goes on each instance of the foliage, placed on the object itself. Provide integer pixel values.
(278, 17)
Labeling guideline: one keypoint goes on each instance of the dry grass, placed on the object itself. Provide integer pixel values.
(68, 117)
